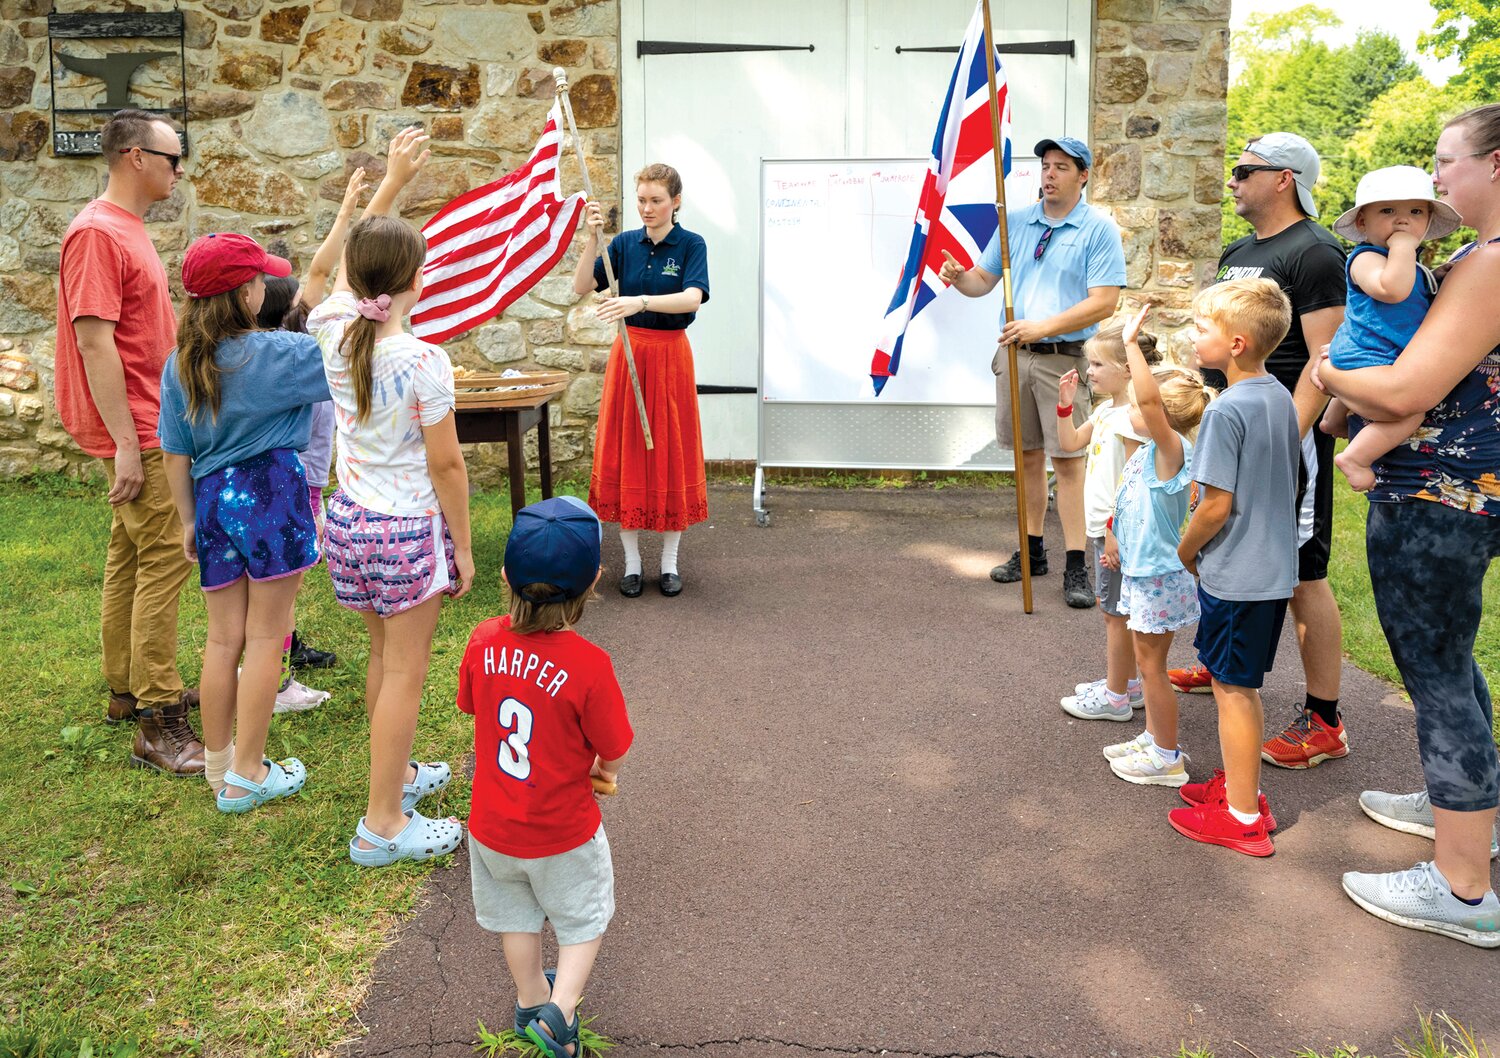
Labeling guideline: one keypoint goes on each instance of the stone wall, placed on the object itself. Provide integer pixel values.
(286, 98)
(1160, 76)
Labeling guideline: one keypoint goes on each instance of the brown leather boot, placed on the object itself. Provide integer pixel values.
(164, 740)
(121, 708)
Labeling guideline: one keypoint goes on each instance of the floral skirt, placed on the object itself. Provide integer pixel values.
(1160, 604)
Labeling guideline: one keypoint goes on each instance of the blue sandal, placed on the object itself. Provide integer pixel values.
(284, 779)
(420, 839)
(559, 1032)
(431, 778)
(526, 1015)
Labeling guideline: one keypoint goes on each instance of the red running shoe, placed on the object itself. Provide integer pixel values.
(1194, 678)
(1307, 742)
(1212, 824)
(1213, 792)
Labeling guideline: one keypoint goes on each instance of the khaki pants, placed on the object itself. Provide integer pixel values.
(1039, 372)
(144, 572)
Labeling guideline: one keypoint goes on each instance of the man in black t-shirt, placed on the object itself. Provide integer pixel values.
(1272, 187)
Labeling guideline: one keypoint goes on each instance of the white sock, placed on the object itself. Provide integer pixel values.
(1147, 740)
(1116, 699)
(669, 542)
(216, 764)
(631, 539)
(1168, 755)
(1247, 819)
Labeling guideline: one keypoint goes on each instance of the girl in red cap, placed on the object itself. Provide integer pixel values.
(236, 405)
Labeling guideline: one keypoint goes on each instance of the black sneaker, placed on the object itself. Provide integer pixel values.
(1076, 590)
(306, 657)
(1011, 571)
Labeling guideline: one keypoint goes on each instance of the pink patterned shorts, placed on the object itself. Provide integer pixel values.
(385, 562)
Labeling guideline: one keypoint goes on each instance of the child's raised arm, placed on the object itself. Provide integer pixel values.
(332, 249)
(404, 160)
(1071, 437)
(1148, 400)
(1388, 278)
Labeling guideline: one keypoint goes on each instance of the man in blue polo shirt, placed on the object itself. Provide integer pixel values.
(1067, 267)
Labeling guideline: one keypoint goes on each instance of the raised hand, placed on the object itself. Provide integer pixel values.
(1133, 328)
(407, 154)
(951, 269)
(1066, 387)
(357, 187)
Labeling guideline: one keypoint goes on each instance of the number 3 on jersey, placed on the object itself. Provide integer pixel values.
(514, 758)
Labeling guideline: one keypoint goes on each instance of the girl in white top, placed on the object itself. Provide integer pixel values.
(1111, 441)
(397, 533)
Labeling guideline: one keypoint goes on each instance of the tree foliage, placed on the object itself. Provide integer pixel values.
(1469, 29)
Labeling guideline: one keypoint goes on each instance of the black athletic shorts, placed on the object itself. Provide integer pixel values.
(1315, 509)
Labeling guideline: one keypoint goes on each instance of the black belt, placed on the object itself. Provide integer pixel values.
(1070, 348)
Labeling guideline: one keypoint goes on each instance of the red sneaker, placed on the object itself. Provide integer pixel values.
(1194, 678)
(1307, 742)
(1212, 824)
(1213, 792)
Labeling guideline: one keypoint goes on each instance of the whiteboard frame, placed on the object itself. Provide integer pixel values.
(789, 412)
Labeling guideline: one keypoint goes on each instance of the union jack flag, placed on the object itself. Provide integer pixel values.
(956, 210)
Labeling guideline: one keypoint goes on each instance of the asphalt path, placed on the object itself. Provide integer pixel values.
(855, 820)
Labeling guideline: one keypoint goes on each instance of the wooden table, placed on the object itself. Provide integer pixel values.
(509, 422)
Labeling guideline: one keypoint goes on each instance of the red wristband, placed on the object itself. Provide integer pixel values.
(1063, 413)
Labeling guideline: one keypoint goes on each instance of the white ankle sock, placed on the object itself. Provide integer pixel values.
(669, 542)
(1116, 699)
(1241, 816)
(1131, 686)
(1168, 755)
(216, 764)
(631, 540)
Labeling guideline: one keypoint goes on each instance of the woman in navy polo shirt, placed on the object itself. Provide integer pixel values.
(662, 269)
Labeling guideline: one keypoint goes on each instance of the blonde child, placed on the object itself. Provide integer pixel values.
(548, 716)
(1111, 440)
(236, 405)
(397, 529)
(1157, 593)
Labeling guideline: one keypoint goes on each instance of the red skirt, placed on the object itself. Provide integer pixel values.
(664, 489)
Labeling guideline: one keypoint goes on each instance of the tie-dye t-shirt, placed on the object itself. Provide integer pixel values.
(1453, 458)
(382, 462)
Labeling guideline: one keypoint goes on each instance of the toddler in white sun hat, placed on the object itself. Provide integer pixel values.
(1395, 211)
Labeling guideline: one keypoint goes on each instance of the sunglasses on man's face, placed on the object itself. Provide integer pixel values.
(174, 159)
(1242, 172)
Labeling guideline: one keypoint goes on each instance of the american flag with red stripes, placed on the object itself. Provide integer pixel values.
(956, 210)
(490, 245)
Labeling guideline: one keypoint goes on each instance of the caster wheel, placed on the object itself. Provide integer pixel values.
(762, 518)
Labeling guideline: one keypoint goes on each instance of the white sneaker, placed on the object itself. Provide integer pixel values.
(1139, 744)
(1094, 704)
(1137, 696)
(1420, 899)
(298, 697)
(1409, 813)
(1149, 768)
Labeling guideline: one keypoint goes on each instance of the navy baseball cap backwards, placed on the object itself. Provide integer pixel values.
(554, 542)
(1075, 149)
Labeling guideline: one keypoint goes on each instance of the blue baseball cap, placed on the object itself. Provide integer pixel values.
(554, 542)
(1075, 149)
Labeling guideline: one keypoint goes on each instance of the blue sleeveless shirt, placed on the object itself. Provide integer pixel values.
(1374, 332)
(1454, 456)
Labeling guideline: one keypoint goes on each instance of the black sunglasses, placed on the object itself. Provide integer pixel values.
(1241, 172)
(175, 159)
(1041, 245)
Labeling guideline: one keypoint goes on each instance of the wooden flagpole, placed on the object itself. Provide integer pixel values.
(1003, 235)
(560, 77)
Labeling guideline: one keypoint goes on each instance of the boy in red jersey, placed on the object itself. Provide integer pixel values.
(548, 716)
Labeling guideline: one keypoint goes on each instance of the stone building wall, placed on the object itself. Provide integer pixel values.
(286, 98)
(1160, 76)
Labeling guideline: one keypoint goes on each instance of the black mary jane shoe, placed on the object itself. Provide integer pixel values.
(671, 584)
(630, 585)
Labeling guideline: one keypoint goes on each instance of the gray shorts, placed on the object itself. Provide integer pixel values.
(574, 890)
(1039, 373)
(1106, 581)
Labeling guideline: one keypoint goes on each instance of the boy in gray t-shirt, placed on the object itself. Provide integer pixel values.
(1242, 544)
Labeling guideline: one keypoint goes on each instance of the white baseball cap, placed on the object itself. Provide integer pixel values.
(1287, 150)
(1399, 183)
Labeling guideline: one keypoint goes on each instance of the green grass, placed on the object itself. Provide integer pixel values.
(131, 911)
(1437, 1036)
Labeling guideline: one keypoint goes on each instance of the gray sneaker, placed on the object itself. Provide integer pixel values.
(1409, 813)
(1137, 696)
(1420, 899)
(1093, 704)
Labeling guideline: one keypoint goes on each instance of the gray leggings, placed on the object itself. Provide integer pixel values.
(1427, 566)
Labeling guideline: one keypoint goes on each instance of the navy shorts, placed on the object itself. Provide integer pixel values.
(254, 517)
(1237, 640)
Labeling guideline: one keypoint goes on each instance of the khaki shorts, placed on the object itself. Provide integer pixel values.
(1039, 374)
(574, 890)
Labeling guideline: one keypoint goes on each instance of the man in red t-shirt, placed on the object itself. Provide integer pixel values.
(115, 328)
(548, 718)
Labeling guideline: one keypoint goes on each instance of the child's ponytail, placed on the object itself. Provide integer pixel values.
(382, 258)
(205, 323)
